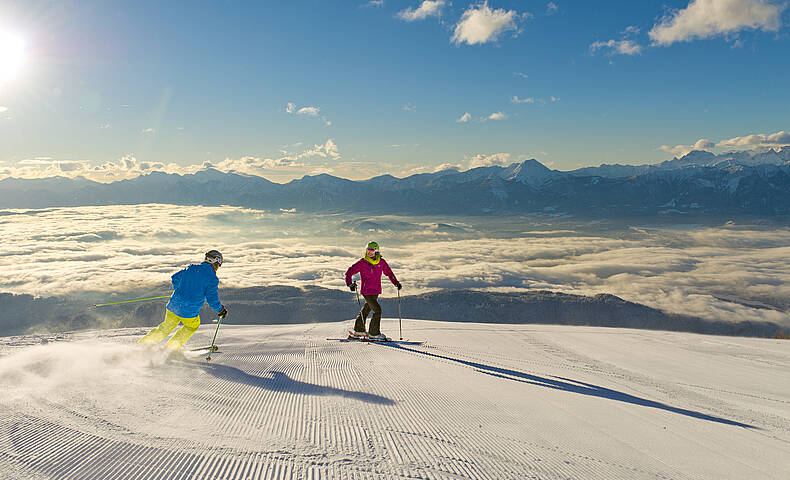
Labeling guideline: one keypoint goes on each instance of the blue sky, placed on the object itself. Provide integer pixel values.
(355, 89)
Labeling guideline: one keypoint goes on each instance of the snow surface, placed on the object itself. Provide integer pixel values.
(476, 401)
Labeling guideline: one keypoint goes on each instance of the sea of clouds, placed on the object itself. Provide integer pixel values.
(727, 272)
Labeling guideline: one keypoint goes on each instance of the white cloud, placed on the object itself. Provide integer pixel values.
(464, 118)
(148, 130)
(48, 161)
(309, 111)
(748, 142)
(760, 140)
(482, 160)
(480, 24)
(631, 30)
(321, 170)
(374, 3)
(428, 8)
(129, 167)
(447, 166)
(256, 165)
(497, 116)
(123, 168)
(327, 150)
(409, 107)
(551, 8)
(520, 74)
(710, 18)
(3, 109)
(681, 150)
(429, 169)
(515, 99)
(623, 47)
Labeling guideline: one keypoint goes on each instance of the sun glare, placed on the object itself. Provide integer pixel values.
(11, 55)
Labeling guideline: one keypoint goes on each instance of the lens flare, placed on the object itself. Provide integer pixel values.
(12, 50)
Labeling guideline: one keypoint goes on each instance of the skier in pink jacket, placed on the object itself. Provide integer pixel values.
(370, 268)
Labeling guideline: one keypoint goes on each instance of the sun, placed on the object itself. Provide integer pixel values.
(12, 50)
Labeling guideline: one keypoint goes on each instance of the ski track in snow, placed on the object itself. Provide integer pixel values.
(475, 402)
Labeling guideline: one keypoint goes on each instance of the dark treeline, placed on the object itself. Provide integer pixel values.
(25, 314)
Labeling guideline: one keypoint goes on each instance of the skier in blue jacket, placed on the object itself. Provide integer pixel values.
(191, 286)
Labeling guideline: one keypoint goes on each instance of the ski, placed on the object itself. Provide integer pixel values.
(398, 342)
(206, 348)
(353, 338)
(352, 335)
(371, 339)
(392, 341)
(199, 353)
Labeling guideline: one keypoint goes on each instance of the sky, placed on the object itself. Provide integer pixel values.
(361, 88)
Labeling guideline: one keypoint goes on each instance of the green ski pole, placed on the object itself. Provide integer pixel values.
(219, 322)
(129, 301)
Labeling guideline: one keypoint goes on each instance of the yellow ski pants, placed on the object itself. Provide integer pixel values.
(163, 330)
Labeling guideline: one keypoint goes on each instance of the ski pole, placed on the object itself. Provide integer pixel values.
(129, 301)
(358, 302)
(400, 326)
(219, 322)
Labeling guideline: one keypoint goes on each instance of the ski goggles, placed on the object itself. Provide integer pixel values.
(214, 258)
(374, 251)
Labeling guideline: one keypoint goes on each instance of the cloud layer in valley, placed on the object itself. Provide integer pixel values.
(723, 273)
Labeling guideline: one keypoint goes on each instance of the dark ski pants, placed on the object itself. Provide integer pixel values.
(371, 303)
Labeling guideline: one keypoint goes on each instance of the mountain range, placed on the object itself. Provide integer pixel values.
(697, 183)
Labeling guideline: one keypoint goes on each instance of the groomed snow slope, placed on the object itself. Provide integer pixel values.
(476, 401)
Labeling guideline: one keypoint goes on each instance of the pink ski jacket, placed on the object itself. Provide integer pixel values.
(371, 275)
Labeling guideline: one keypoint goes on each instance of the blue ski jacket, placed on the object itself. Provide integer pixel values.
(191, 286)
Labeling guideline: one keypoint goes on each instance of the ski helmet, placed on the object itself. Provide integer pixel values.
(213, 256)
(374, 246)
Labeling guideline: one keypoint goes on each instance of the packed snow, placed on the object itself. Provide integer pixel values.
(475, 401)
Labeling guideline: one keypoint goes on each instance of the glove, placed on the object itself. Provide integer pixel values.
(353, 286)
(223, 313)
(398, 286)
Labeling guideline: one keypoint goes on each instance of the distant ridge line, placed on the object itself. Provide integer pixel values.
(290, 305)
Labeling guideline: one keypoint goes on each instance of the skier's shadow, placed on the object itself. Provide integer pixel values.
(281, 382)
(574, 386)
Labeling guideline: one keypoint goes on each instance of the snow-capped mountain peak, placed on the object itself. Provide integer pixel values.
(530, 172)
